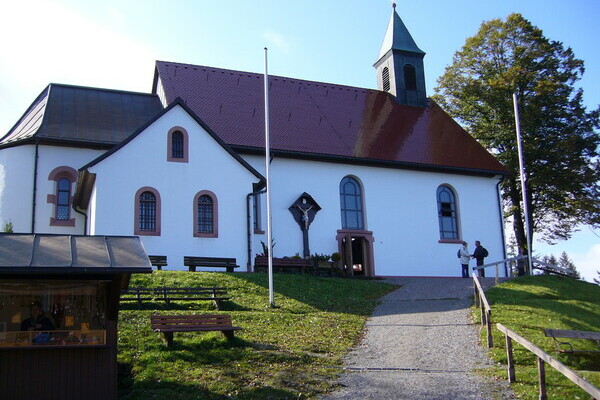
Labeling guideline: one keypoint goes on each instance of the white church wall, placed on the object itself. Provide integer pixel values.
(50, 158)
(143, 162)
(16, 187)
(17, 165)
(400, 210)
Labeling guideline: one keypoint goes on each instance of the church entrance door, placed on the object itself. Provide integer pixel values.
(356, 250)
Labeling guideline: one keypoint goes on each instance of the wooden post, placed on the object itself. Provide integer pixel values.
(488, 320)
(542, 378)
(476, 293)
(483, 319)
(509, 360)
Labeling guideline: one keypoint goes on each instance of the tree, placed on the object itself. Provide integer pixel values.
(560, 137)
(565, 262)
(549, 260)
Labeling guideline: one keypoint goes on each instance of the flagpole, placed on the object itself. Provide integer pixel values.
(523, 186)
(268, 169)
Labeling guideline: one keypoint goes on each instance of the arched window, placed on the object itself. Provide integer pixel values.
(177, 145)
(410, 77)
(351, 204)
(385, 78)
(447, 214)
(205, 214)
(62, 197)
(147, 212)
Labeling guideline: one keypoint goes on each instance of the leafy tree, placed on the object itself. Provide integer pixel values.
(597, 280)
(560, 137)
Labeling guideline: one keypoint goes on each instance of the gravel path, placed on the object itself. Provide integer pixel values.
(420, 343)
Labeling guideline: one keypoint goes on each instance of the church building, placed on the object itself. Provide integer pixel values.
(384, 177)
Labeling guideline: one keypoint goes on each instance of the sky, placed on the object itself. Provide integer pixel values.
(114, 44)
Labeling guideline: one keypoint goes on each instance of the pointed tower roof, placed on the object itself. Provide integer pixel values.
(397, 37)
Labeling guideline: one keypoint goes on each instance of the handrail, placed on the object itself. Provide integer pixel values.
(486, 310)
(543, 358)
(550, 267)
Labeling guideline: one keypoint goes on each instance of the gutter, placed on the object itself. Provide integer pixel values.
(83, 192)
(502, 225)
(35, 174)
(249, 226)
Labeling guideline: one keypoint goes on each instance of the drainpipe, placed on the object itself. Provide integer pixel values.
(249, 226)
(35, 173)
(502, 222)
(85, 219)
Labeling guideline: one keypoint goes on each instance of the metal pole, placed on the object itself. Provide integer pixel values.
(523, 186)
(267, 169)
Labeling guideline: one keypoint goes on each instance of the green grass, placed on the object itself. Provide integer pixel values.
(292, 351)
(529, 304)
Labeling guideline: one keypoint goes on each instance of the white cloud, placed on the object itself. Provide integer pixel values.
(588, 264)
(277, 40)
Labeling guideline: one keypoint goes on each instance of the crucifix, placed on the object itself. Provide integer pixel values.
(304, 210)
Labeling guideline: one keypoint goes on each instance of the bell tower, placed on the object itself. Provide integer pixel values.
(400, 65)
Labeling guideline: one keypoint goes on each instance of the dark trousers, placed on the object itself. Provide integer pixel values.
(481, 271)
(465, 270)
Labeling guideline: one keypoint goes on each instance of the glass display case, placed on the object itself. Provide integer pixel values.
(38, 313)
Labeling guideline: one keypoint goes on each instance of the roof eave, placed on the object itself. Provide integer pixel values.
(372, 162)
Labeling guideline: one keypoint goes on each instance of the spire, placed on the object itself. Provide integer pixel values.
(397, 37)
(400, 70)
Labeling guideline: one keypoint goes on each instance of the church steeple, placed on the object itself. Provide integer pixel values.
(400, 64)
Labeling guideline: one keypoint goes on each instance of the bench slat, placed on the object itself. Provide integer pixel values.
(167, 294)
(166, 325)
(569, 334)
(192, 262)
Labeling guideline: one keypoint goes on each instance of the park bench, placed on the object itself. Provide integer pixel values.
(158, 261)
(569, 334)
(166, 325)
(210, 262)
(261, 264)
(168, 294)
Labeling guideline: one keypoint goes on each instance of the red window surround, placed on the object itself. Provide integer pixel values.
(56, 175)
(215, 215)
(184, 158)
(136, 219)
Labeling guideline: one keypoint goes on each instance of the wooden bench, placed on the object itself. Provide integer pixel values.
(168, 294)
(569, 334)
(261, 264)
(158, 261)
(166, 325)
(210, 262)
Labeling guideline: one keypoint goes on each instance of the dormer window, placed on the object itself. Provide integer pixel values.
(410, 77)
(385, 79)
(177, 145)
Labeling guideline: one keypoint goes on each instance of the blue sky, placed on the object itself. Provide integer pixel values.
(114, 44)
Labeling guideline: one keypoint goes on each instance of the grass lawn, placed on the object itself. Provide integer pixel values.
(529, 304)
(292, 351)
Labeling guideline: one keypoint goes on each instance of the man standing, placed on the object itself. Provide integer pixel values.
(479, 254)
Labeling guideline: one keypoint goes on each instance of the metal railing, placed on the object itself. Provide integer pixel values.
(510, 264)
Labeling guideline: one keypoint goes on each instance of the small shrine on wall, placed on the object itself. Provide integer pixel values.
(59, 304)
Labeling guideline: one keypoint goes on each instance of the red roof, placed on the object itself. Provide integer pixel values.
(331, 121)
